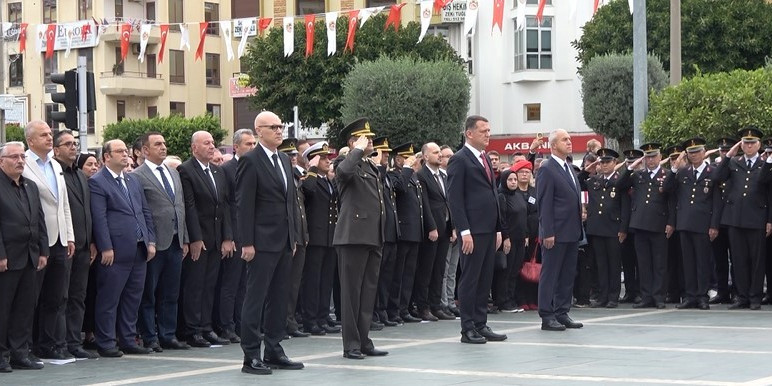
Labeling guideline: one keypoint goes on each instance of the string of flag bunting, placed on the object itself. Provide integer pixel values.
(66, 35)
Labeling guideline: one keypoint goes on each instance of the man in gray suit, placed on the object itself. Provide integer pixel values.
(163, 192)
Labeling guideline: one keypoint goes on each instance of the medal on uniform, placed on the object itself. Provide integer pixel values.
(706, 189)
(613, 193)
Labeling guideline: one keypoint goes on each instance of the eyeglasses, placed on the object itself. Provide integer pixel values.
(69, 144)
(120, 151)
(273, 127)
(16, 156)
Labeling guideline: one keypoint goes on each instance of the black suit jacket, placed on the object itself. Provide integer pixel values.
(208, 216)
(415, 217)
(79, 197)
(321, 209)
(472, 196)
(438, 202)
(266, 211)
(560, 208)
(23, 235)
(229, 169)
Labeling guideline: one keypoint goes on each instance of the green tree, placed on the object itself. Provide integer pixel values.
(711, 106)
(176, 129)
(717, 35)
(401, 99)
(314, 84)
(607, 93)
(14, 132)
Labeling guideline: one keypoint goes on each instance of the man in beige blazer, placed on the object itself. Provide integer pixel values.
(53, 281)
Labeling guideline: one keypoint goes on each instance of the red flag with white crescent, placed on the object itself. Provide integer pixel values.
(84, 31)
(353, 21)
(125, 38)
(595, 6)
(498, 13)
(164, 34)
(440, 4)
(23, 37)
(263, 23)
(310, 22)
(540, 11)
(50, 38)
(202, 26)
(395, 15)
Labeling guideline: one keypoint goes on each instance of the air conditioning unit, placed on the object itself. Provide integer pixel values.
(135, 48)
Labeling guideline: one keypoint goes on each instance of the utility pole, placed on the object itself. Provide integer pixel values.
(675, 42)
(82, 105)
(2, 75)
(640, 70)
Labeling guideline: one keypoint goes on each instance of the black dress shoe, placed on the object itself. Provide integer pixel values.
(491, 336)
(703, 305)
(175, 344)
(34, 358)
(407, 318)
(25, 364)
(552, 325)
(570, 323)
(5, 367)
(136, 350)
(472, 336)
(612, 305)
(597, 304)
(389, 323)
(154, 345)
(282, 363)
(316, 330)
(353, 354)
(231, 336)
(766, 300)
(755, 306)
(374, 352)
(333, 323)
(672, 299)
(686, 304)
(660, 306)
(79, 352)
(50, 353)
(441, 315)
(375, 326)
(212, 338)
(198, 341)
(738, 305)
(331, 329)
(643, 305)
(112, 352)
(255, 366)
(298, 334)
(427, 315)
(455, 311)
(397, 320)
(628, 298)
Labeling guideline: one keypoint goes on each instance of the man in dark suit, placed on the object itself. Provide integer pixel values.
(163, 192)
(125, 236)
(434, 247)
(233, 270)
(474, 208)
(65, 152)
(560, 229)
(652, 220)
(391, 236)
(23, 250)
(359, 239)
(208, 217)
(321, 200)
(697, 219)
(265, 198)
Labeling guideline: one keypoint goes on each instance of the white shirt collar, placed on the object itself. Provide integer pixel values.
(474, 151)
(151, 165)
(559, 161)
(752, 159)
(268, 152)
(701, 167)
(655, 171)
(112, 173)
(203, 167)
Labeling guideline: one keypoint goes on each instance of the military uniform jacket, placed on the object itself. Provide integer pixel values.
(362, 213)
(651, 209)
(301, 225)
(321, 209)
(415, 218)
(392, 230)
(608, 207)
(746, 203)
(698, 202)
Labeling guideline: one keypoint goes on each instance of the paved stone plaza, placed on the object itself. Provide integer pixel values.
(622, 346)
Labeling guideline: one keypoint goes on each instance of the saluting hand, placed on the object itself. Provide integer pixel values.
(361, 142)
(635, 163)
(733, 151)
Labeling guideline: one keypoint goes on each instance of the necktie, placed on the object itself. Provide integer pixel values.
(569, 174)
(329, 185)
(485, 166)
(750, 164)
(651, 175)
(128, 198)
(211, 180)
(441, 185)
(167, 185)
(695, 173)
(277, 168)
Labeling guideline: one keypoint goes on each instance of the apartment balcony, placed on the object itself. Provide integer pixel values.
(113, 35)
(127, 83)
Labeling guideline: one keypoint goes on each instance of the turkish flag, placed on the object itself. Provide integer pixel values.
(595, 6)
(395, 15)
(164, 34)
(202, 26)
(125, 37)
(498, 13)
(84, 31)
(310, 20)
(263, 23)
(540, 11)
(439, 4)
(23, 37)
(50, 39)
(352, 30)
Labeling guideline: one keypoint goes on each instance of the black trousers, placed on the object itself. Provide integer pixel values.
(630, 266)
(358, 266)
(404, 274)
(695, 249)
(296, 279)
(264, 315)
(427, 286)
(475, 283)
(76, 296)
(721, 267)
(608, 255)
(505, 280)
(385, 279)
(586, 282)
(318, 277)
(17, 308)
(230, 292)
(748, 261)
(52, 284)
(556, 282)
(199, 279)
(651, 251)
(676, 285)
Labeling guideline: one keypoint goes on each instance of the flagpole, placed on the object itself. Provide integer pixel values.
(675, 42)
(2, 75)
(640, 70)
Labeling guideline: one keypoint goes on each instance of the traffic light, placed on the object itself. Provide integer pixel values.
(69, 98)
(90, 94)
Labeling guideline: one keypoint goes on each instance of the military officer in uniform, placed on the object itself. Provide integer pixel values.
(697, 200)
(651, 219)
(359, 239)
(675, 268)
(606, 226)
(746, 215)
(629, 260)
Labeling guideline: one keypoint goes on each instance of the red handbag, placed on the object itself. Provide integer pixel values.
(531, 269)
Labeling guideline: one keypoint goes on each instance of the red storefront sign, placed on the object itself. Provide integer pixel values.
(514, 144)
